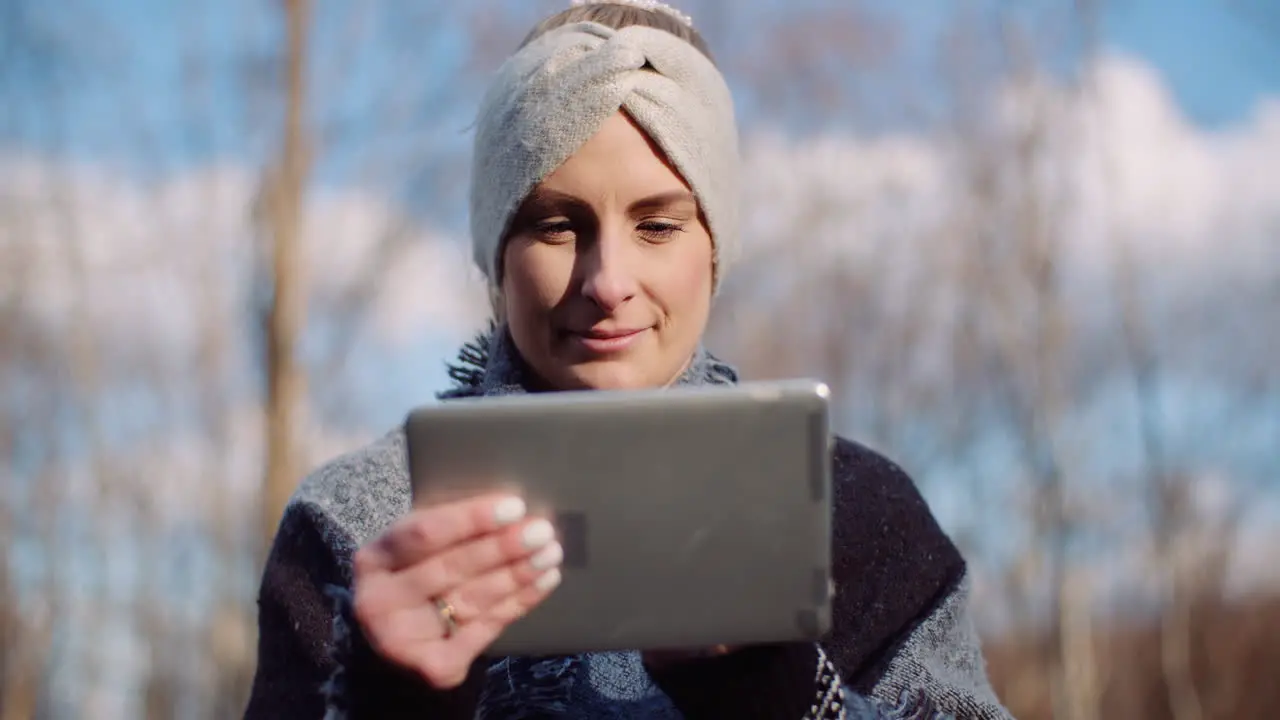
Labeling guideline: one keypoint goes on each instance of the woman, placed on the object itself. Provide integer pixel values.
(602, 212)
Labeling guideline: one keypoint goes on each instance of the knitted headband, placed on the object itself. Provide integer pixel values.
(555, 93)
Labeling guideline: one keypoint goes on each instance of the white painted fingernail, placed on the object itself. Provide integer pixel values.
(548, 557)
(548, 580)
(536, 534)
(508, 510)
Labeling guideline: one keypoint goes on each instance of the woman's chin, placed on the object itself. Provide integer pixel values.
(607, 375)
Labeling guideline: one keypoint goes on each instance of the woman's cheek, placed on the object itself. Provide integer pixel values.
(545, 274)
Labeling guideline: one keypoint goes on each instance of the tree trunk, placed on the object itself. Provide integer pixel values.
(1176, 649)
(286, 382)
(1079, 655)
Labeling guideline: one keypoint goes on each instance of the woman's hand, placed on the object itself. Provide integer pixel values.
(439, 586)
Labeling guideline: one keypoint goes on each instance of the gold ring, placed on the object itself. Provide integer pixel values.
(448, 615)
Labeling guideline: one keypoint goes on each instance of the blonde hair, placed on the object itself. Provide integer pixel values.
(619, 16)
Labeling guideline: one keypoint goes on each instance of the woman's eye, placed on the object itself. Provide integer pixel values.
(553, 230)
(656, 231)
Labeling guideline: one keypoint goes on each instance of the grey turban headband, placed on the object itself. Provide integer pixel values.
(555, 93)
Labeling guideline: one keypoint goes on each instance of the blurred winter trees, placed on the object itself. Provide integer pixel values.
(1030, 280)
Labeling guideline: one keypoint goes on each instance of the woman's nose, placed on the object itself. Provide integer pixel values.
(609, 272)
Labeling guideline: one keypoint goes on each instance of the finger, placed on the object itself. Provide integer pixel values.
(473, 600)
(426, 531)
(444, 660)
(461, 564)
(518, 604)
(383, 592)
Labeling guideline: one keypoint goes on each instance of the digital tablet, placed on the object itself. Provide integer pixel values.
(690, 517)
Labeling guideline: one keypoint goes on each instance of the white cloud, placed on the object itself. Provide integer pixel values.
(1189, 201)
(156, 261)
(157, 257)
(837, 194)
(1134, 167)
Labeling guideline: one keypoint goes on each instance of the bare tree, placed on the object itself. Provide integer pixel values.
(285, 188)
(1168, 498)
(32, 357)
(26, 628)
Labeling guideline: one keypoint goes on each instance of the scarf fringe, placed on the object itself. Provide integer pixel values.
(470, 367)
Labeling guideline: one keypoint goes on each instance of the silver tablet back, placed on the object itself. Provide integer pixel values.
(689, 517)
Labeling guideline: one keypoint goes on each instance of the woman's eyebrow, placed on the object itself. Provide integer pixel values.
(544, 201)
(542, 196)
(662, 200)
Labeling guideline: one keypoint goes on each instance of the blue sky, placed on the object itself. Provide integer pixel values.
(1219, 57)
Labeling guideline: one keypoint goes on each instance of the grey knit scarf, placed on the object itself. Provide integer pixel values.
(598, 686)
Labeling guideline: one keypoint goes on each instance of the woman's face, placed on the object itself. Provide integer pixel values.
(607, 272)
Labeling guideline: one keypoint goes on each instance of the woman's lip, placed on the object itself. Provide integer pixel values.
(610, 342)
(608, 334)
